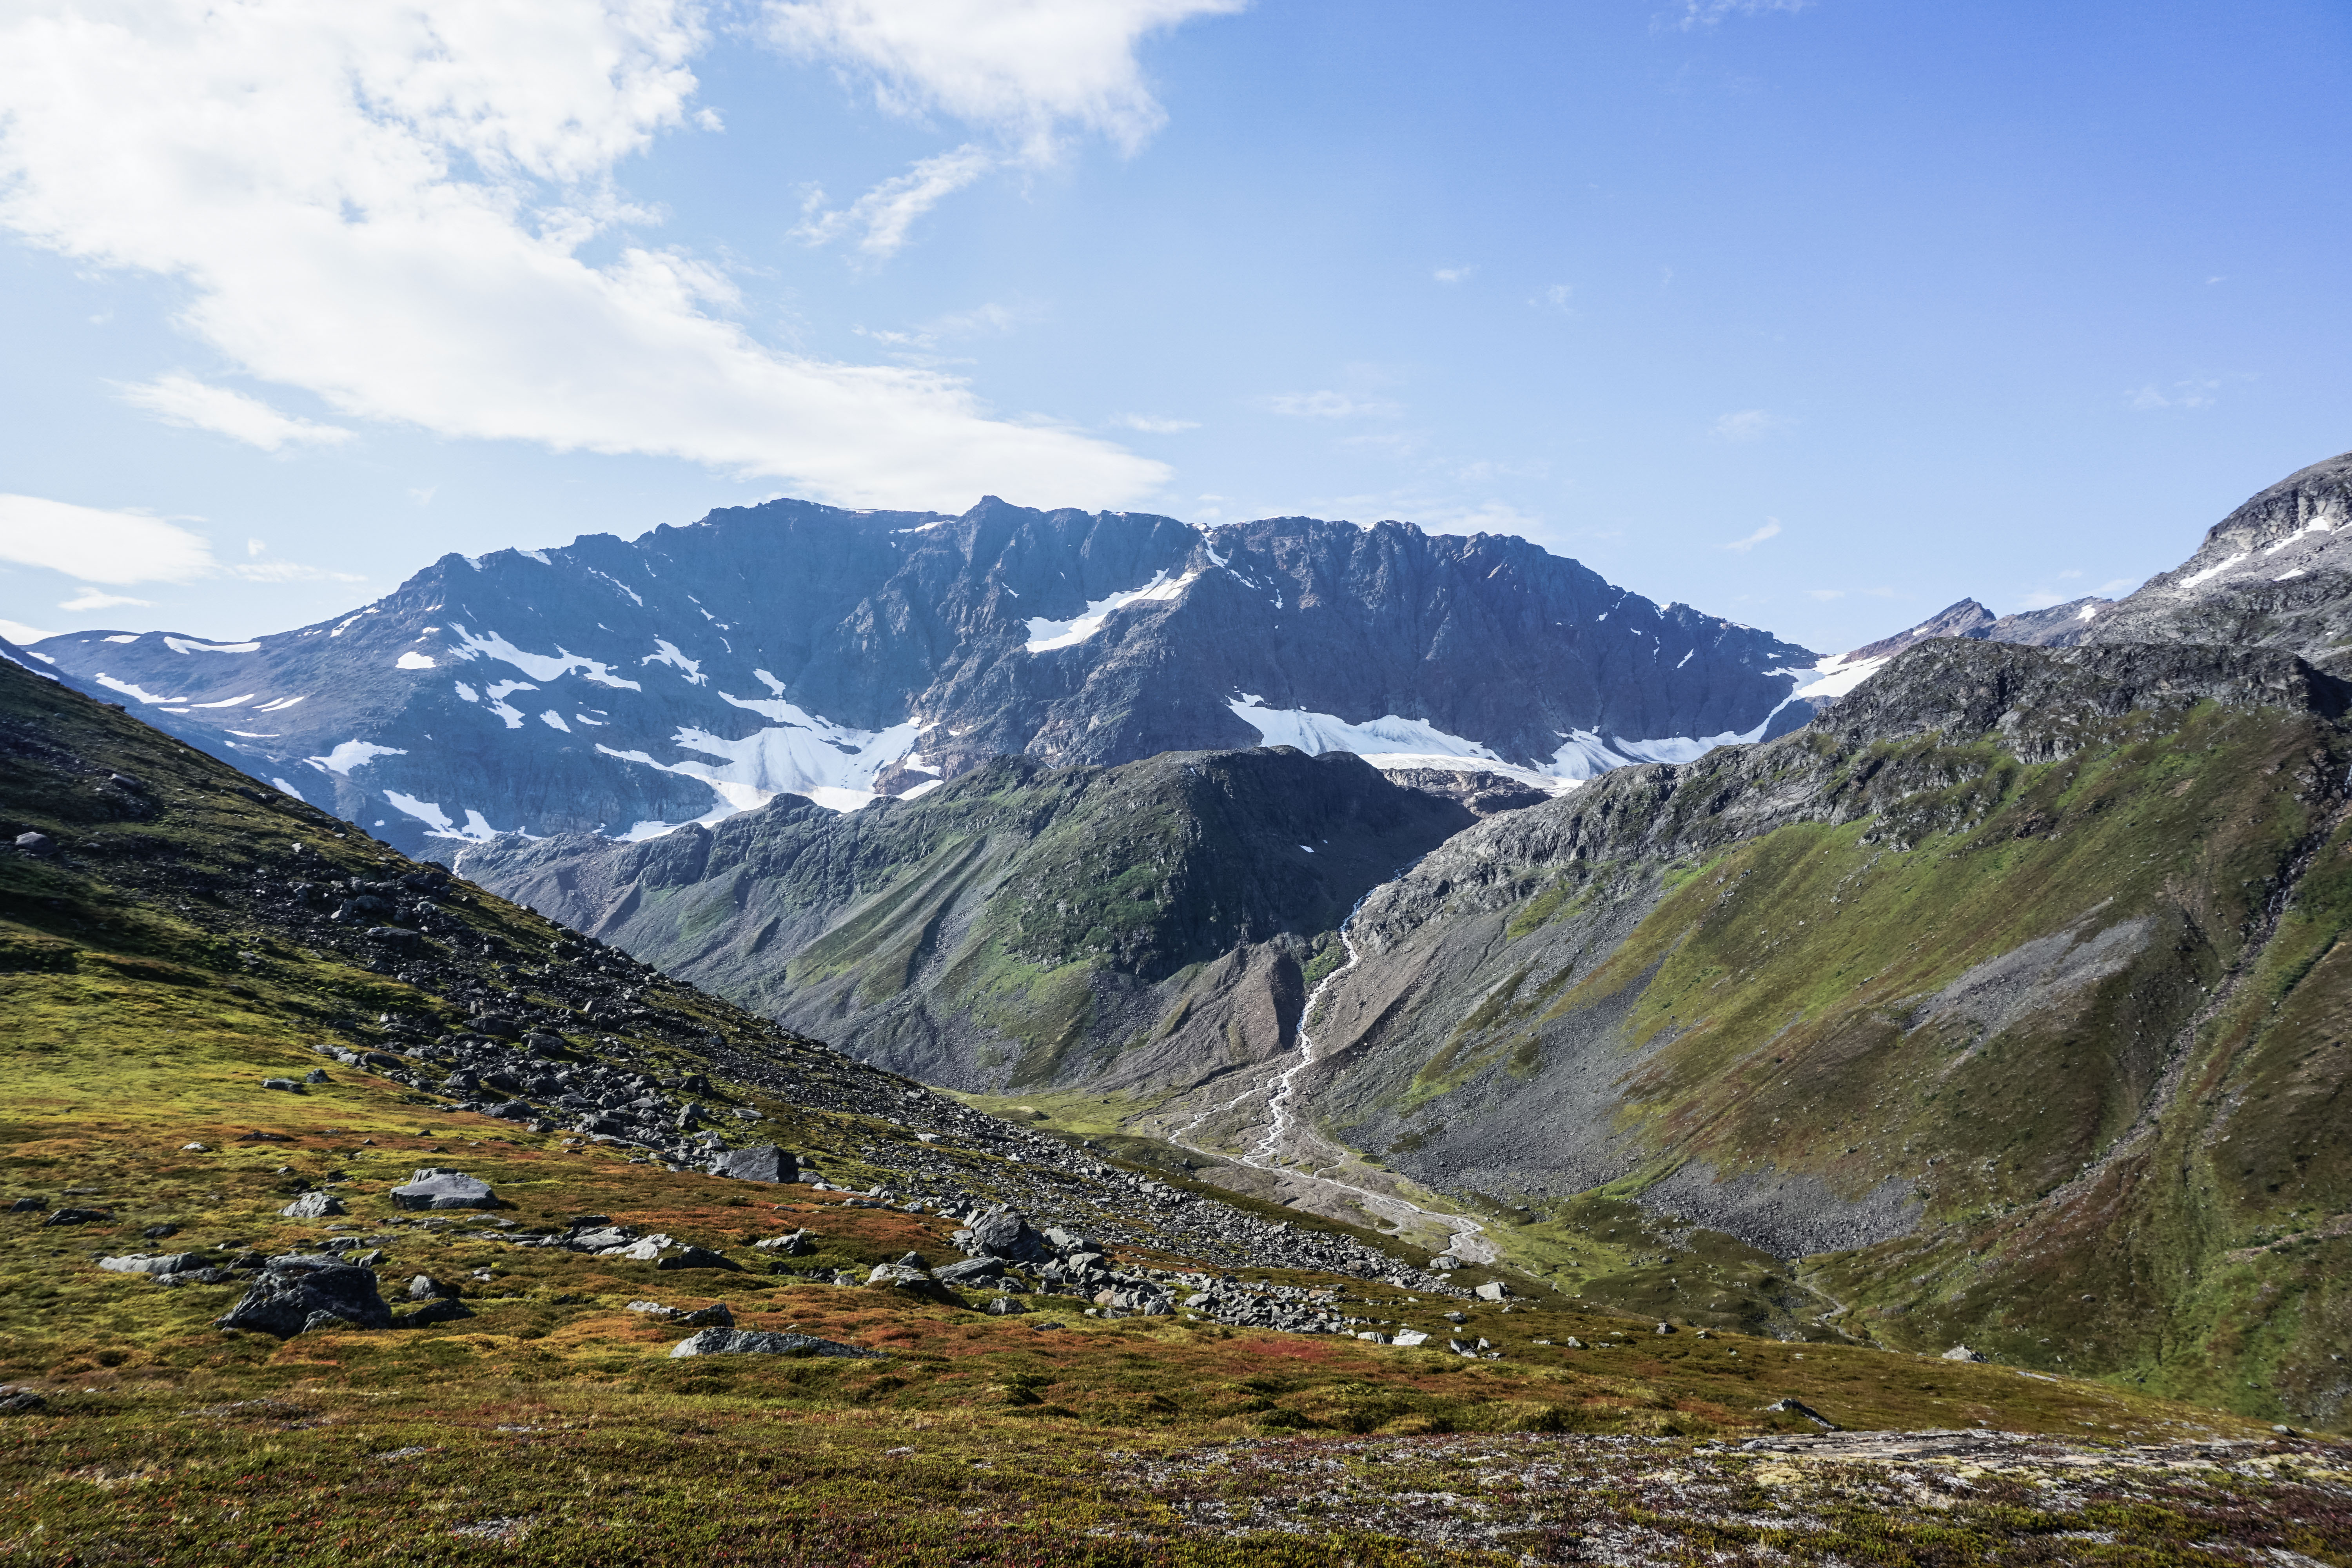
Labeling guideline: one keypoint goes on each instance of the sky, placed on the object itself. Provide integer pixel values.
(1818, 314)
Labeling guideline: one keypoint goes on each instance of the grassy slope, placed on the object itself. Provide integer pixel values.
(1783, 980)
(134, 1030)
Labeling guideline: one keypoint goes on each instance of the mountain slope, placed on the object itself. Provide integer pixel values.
(1128, 928)
(2014, 987)
(620, 687)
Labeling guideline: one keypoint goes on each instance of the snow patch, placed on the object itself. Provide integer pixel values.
(353, 754)
(415, 660)
(468, 692)
(554, 720)
(538, 666)
(2210, 572)
(2284, 576)
(227, 701)
(616, 582)
(130, 688)
(1045, 635)
(668, 654)
(283, 787)
(499, 705)
(280, 704)
(190, 645)
(124, 636)
(2314, 526)
(801, 753)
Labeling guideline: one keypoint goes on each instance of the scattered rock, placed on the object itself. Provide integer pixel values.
(317, 1075)
(432, 1188)
(314, 1205)
(752, 1342)
(78, 1216)
(284, 1085)
(20, 1401)
(1492, 1290)
(1798, 1407)
(1006, 1307)
(765, 1162)
(442, 1310)
(36, 844)
(792, 1243)
(158, 1232)
(1002, 1233)
(1962, 1352)
(162, 1263)
(28, 1205)
(970, 1271)
(715, 1315)
(1412, 1337)
(696, 1258)
(194, 1148)
(424, 1288)
(295, 1292)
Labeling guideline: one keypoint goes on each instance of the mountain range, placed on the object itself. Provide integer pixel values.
(624, 687)
(1981, 983)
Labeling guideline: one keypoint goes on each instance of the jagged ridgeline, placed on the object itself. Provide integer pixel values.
(1141, 927)
(2011, 992)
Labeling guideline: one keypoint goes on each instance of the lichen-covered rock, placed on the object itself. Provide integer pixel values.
(432, 1188)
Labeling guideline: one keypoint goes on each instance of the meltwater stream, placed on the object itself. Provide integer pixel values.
(1467, 1242)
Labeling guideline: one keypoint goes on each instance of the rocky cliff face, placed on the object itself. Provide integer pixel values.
(624, 687)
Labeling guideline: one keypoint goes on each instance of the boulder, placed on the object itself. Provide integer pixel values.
(20, 1401)
(78, 1216)
(1962, 1352)
(696, 1258)
(27, 1205)
(1799, 1408)
(1006, 1307)
(431, 1188)
(752, 1342)
(1002, 1233)
(1492, 1290)
(793, 1244)
(283, 1084)
(1412, 1337)
(764, 1163)
(296, 1292)
(714, 1315)
(442, 1310)
(513, 1110)
(314, 1205)
(970, 1271)
(160, 1263)
(495, 1024)
(424, 1288)
(36, 844)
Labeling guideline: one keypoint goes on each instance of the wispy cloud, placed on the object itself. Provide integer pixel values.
(2180, 394)
(1026, 68)
(1153, 424)
(183, 400)
(92, 544)
(1697, 14)
(1330, 405)
(883, 215)
(1771, 530)
(1747, 425)
(1555, 298)
(1453, 274)
(92, 599)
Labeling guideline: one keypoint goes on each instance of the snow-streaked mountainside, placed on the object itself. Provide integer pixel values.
(624, 687)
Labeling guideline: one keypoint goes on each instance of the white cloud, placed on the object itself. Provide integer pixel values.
(2180, 395)
(121, 547)
(1328, 405)
(184, 400)
(96, 546)
(887, 211)
(91, 599)
(1771, 530)
(1555, 297)
(1024, 68)
(1453, 274)
(1699, 13)
(1748, 425)
(1154, 425)
(385, 207)
(1825, 594)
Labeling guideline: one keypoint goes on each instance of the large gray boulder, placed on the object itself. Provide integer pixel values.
(754, 1342)
(432, 1188)
(1002, 1233)
(160, 1263)
(302, 1292)
(313, 1206)
(765, 1163)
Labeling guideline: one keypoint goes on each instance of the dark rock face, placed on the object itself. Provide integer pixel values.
(792, 647)
(297, 1294)
(765, 1162)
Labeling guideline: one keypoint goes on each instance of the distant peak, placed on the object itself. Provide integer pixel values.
(1965, 619)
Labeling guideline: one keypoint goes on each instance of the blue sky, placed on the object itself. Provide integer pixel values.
(1818, 315)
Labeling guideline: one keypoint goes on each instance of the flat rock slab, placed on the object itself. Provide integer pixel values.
(765, 1163)
(436, 1189)
(754, 1342)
